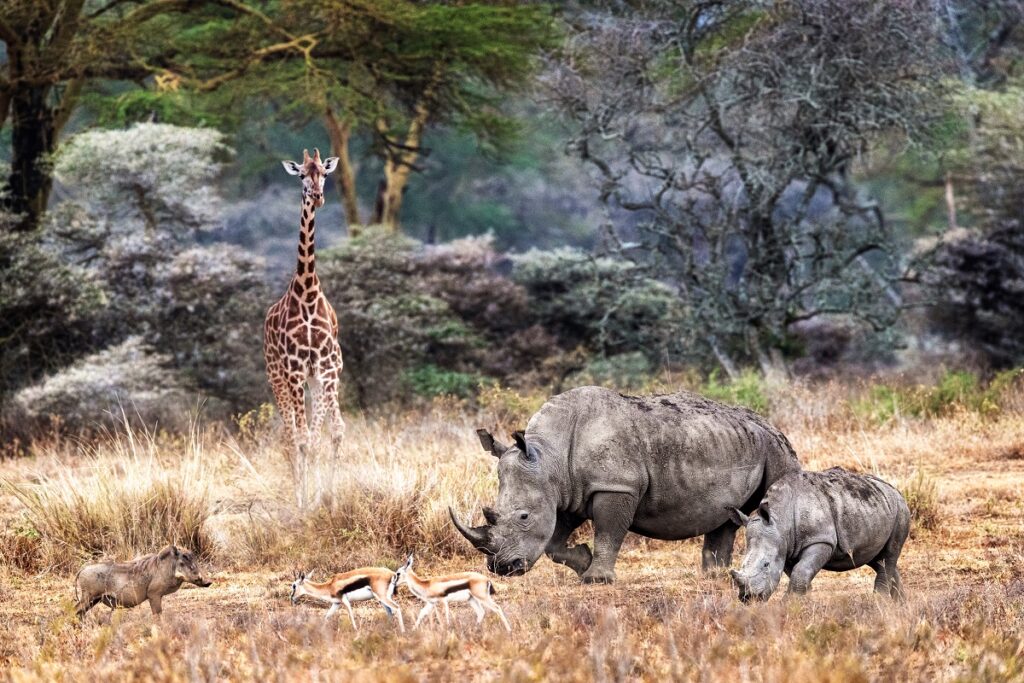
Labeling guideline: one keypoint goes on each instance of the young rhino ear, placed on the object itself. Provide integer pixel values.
(764, 513)
(292, 167)
(737, 516)
(496, 448)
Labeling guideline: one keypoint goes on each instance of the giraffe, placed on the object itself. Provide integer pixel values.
(300, 336)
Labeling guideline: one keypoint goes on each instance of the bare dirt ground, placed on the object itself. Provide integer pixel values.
(963, 620)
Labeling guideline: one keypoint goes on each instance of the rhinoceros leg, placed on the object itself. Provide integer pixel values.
(717, 551)
(887, 575)
(613, 515)
(812, 559)
(576, 558)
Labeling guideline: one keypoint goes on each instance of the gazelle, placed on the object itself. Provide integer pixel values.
(367, 583)
(470, 587)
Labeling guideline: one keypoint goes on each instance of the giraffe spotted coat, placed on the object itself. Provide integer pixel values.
(300, 341)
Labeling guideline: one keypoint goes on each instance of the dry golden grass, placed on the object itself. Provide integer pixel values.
(232, 498)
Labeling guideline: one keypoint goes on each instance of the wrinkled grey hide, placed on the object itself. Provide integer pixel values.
(835, 520)
(665, 467)
(127, 584)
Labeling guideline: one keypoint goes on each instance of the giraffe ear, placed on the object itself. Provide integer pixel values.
(292, 167)
(330, 163)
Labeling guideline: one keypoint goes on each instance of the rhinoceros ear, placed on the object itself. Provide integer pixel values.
(737, 516)
(491, 515)
(520, 439)
(764, 513)
(496, 448)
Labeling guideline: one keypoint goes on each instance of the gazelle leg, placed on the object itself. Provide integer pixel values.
(351, 616)
(437, 615)
(334, 608)
(393, 609)
(475, 604)
(493, 606)
(447, 614)
(423, 613)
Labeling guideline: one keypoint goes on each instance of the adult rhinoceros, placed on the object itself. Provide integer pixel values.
(666, 467)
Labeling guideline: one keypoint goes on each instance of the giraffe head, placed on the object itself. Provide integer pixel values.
(313, 172)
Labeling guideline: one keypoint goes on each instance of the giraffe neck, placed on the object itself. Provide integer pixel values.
(307, 237)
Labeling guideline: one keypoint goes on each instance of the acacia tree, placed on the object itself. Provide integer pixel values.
(55, 51)
(390, 70)
(723, 134)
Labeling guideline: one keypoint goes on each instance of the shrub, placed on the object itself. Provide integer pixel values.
(48, 310)
(922, 498)
(955, 390)
(625, 372)
(129, 505)
(404, 308)
(208, 310)
(604, 304)
(128, 382)
(747, 390)
(430, 380)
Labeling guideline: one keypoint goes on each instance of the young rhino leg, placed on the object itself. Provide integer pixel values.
(887, 575)
(812, 559)
(718, 544)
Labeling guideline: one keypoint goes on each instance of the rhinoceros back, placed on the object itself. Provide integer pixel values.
(685, 458)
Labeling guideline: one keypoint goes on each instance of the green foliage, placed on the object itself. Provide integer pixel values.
(956, 390)
(747, 390)
(625, 372)
(608, 305)
(430, 380)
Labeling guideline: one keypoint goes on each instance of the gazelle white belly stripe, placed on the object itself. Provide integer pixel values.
(360, 595)
(458, 596)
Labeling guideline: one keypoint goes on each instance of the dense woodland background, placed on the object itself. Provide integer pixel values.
(530, 195)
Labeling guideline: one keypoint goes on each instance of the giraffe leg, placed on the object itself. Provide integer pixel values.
(317, 390)
(300, 455)
(333, 409)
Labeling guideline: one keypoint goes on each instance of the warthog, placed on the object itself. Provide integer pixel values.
(127, 584)
(660, 466)
(833, 520)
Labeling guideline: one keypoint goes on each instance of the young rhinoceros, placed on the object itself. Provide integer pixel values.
(809, 521)
(127, 584)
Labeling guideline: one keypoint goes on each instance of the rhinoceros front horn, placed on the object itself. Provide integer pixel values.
(479, 536)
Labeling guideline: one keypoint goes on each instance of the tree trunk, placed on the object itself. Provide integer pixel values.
(772, 364)
(723, 358)
(33, 140)
(389, 204)
(950, 202)
(340, 132)
(401, 157)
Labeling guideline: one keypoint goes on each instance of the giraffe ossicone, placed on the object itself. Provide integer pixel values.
(300, 336)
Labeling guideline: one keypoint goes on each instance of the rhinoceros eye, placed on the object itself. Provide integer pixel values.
(524, 515)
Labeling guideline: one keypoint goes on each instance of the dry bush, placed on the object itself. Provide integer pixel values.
(922, 496)
(124, 502)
